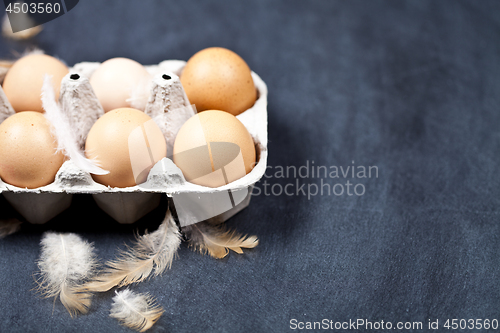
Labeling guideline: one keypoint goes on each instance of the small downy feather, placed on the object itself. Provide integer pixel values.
(216, 241)
(136, 311)
(66, 140)
(65, 263)
(8, 227)
(152, 254)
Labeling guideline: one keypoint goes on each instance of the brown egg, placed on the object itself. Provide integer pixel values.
(28, 157)
(127, 143)
(23, 82)
(116, 80)
(213, 148)
(219, 79)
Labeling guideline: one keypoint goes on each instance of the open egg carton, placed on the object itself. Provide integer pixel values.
(169, 107)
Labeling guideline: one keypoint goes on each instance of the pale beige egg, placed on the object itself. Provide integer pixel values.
(24, 80)
(219, 79)
(213, 148)
(28, 157)
(127, 143)
(116, 82)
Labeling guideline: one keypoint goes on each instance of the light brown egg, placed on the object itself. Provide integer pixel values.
(213, 148)
(219, 79)
(116, 80)
(23, 83)
(127, 143)
(28, 156)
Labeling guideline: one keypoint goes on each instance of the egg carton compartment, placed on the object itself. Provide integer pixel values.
(169, 107)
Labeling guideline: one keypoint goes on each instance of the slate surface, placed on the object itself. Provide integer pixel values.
(411, 87)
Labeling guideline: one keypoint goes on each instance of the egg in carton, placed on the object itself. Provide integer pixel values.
(168, 105)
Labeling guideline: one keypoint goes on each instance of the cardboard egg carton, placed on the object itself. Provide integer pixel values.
(166, 102)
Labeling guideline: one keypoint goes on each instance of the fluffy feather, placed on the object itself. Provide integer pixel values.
(65, 262)
(152, 254)
(136, 311)
(8, 227)
(216, 241)
(66, 140)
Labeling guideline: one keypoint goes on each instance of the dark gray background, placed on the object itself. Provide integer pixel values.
(409, 86)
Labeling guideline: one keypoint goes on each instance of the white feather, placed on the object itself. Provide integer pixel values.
(66, 138)
(137, 311)
(65, 263)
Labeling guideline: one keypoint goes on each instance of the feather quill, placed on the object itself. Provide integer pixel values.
(8, 227)
(136, 311)
(65, 262)
(216, 241)
(66, 140)
(152, 254)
